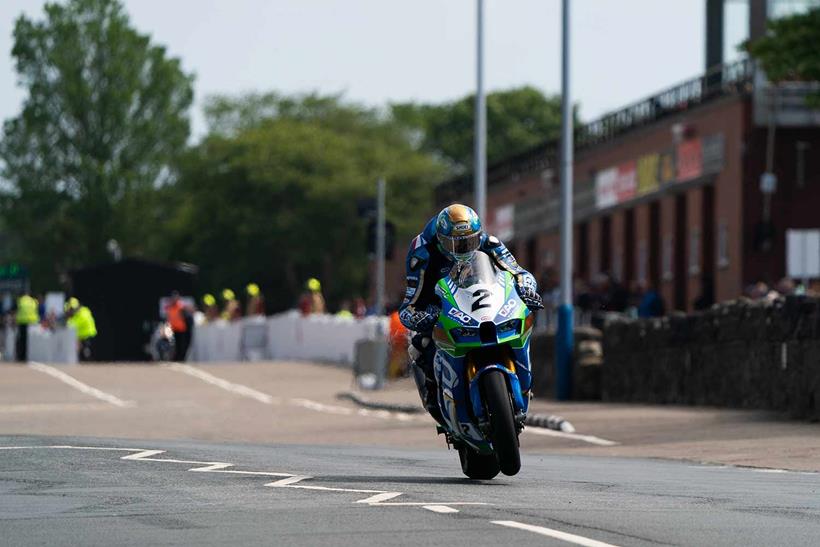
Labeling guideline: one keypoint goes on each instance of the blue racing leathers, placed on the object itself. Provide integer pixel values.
(427, 263)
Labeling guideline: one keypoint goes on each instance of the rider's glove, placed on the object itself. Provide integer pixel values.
(420, 320)
(527, 289)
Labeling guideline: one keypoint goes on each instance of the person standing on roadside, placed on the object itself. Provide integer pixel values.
(82, 321)
(27, 315)
(176, 312)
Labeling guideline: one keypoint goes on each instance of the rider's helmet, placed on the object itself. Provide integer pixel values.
(458, 229)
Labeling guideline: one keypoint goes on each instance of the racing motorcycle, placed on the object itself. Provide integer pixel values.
(482, 366)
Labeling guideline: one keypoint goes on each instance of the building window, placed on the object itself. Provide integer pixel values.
(668, 250)
(723, 246)
(694, 251)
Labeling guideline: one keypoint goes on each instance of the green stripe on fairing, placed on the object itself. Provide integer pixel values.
(447, 294)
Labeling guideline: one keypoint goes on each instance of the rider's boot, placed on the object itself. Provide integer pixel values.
(422, 366)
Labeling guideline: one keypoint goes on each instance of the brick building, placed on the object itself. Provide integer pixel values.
(668, 190)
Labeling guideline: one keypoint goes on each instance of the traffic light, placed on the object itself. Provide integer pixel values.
(389, 238)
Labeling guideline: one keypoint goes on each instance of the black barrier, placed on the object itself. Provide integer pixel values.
(742, 354)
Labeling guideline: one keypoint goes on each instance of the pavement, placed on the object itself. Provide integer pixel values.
(267, 453)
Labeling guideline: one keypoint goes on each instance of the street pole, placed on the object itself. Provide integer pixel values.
(381, 331)
(480, 141)
(381, 233)
(564, 339)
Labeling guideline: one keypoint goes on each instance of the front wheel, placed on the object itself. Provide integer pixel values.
(477, 466)
(502, 424)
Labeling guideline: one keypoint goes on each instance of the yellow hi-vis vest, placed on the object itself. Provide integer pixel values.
(83, 323)
(27, 310)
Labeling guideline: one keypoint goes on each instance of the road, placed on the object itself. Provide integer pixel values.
(97, 455)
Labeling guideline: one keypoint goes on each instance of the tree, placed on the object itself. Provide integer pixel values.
(791, 50)
(105, 115)
(517, 120)
(270, 194)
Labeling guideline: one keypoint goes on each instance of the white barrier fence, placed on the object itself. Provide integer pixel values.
(44, 345)
(288, 335)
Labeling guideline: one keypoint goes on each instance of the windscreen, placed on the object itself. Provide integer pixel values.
(479, 269)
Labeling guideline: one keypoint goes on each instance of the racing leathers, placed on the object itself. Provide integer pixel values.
(426, 264)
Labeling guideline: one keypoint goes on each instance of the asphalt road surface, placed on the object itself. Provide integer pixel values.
(80, 491)
(266, 454)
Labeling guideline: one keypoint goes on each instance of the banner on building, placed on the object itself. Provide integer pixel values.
(648, 173)
(615, 185)
(690, 160)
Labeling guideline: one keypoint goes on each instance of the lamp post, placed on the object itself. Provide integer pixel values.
(564, 340)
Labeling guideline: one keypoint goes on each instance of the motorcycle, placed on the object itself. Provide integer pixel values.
(482, 366)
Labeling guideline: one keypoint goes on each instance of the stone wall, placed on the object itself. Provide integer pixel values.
(743, 354)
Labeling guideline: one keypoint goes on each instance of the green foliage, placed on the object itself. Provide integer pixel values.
(105, 115)
(791, 50)
(517, 120)
(270, 195)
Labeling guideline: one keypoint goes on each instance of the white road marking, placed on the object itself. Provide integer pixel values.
(308, 404)
(555, 534)
(754, 469)
(440, 509)
(591, 439)
(80, 386)
(288, 480)
(238, 389)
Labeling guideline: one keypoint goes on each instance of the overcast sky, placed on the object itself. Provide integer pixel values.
(378, 51)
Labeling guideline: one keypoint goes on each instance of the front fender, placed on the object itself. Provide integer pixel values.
(512, 384)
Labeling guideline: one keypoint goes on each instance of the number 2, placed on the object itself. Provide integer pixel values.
(480, 295)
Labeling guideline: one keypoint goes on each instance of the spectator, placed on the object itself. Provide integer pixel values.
(81, 320)
(312, 300)
(651, 304)
(359, 308)
(181, 320)
(27, 315)
(399, 341)
(344, 310)
(210, 308)
(256, 300)
(231, 310)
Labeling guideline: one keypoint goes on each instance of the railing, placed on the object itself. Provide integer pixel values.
(719, 81)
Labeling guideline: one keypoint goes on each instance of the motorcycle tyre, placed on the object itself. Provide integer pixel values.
(502, 423)
(478, 466)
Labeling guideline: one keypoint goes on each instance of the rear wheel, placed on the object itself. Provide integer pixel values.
(503, 432)
(477, 466)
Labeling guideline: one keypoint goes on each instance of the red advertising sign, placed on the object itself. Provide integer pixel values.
(690, 160)
(626, 184)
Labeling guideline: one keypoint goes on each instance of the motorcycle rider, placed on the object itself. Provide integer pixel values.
(455, 234)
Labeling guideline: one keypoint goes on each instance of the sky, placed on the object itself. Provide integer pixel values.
(381, 51)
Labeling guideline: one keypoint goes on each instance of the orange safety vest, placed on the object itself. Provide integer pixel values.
(175, 317)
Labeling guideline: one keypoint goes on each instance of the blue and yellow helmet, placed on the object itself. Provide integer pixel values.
(458, 229)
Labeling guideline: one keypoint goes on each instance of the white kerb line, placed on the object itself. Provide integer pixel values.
(555, 534)
(591, 439)
(80, 386)
(238, 389)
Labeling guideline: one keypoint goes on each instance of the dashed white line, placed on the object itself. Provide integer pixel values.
(308, 404)
(440, 509)
(555, 534)
(591, 439)
(80, 386)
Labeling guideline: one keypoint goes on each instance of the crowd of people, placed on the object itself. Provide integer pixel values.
(30, 311)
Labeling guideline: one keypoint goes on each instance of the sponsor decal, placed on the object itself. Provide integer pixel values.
(508, 308)
(412, 282)
(460, 316)
(461, 227)
(410, 291)
(415, 263)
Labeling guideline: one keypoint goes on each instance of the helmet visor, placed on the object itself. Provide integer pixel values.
(460, 245)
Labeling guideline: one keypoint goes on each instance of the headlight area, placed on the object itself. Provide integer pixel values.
(464, 333)
(507, 328)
